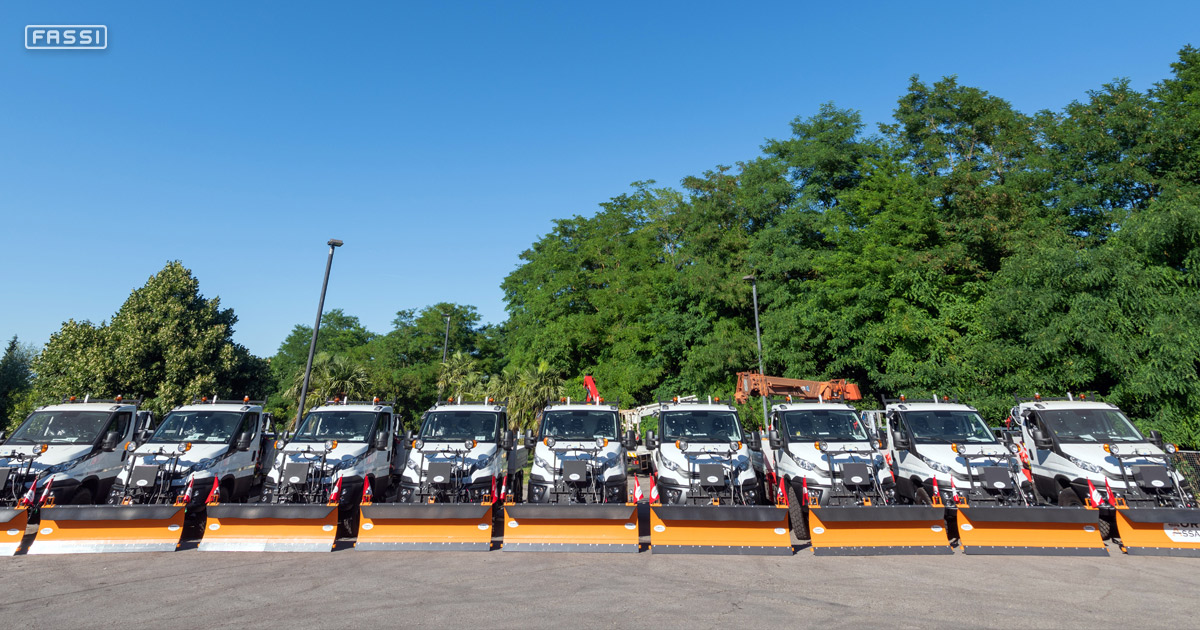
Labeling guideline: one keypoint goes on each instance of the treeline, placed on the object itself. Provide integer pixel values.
(963, 248)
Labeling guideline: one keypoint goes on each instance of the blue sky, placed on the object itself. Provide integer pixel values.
(439, 140)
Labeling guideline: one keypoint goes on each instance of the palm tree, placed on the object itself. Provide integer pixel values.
(457, 371)
(333, 376)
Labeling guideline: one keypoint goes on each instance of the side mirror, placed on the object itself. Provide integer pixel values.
(243, 441)
(408, 437)
(630, 442)
(774, 440)
(1156, 437)
(1040, 441)
(755, 443)
(652, 440)
(899, 440)
(381, 441)
(530, 442)
(109, 443)
(508, 440)
(143, 436)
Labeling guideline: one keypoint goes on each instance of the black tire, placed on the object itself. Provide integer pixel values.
(1068, 498)
(82, 496)
(519, 491)
(798, 513)
(921, 497)
(227, 492)
(1106, 528)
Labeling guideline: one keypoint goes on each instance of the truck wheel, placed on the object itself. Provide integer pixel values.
(83, 496)
(1068, 498)
(921, 497)
(1106, 528)
(798, 514)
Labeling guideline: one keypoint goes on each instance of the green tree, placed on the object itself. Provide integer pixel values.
(167, 343)
(15, 379)
(333, 377)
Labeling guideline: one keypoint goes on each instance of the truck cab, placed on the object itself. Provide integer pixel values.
(206, 442)
(1072, 443)
(462, 454)
(579, 455)
(939, 447)
(819, 439)
(72, 449)
(703, 456)
(337, 447)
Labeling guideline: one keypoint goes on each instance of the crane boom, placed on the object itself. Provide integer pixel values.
(753, 384)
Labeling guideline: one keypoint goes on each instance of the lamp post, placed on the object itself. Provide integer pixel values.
(312, 344)
(758, 336)
(446, 341)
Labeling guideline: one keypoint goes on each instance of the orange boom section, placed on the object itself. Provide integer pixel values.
(753, 384)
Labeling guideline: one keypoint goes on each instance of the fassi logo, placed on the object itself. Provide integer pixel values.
(66, 37)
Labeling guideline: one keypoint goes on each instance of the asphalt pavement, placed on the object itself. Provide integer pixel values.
(498, 589)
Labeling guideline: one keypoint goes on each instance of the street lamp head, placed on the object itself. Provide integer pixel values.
(333, 242)
(749, 278)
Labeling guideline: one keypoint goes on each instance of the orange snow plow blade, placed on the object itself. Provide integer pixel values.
(425, 527)
(270, 527)
(108, 529)
(12, 529)
(1030, 530)
(1158, 531)
(719, 529)
(878, 530)
(577, 527)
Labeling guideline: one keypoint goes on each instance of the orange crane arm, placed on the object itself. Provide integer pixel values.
(753, 384)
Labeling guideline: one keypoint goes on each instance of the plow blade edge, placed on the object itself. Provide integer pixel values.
(425, 527)
(581, 527)
(270, 527)
(108, 529)
(878, 530)
(1030, 530)
(12, 529)
(1159, 531)
(734, 529)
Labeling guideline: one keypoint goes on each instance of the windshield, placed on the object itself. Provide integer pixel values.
(579, 424)
(838, 425)
(949, 426)
(1090, 425)
(456, 426)
(61, 427)
(701, 426)
(344, 426)
(212, 427)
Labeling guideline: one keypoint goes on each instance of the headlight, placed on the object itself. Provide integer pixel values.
(63, 467)
(938, 466)
(1088, 466)
(805, 464)
(204, 464)
(412, 463)
(670, 465)
(485, 460)
(742, 464)
(537, 460)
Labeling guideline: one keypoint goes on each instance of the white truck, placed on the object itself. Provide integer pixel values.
(711, 500)
(62, 455)
(942, 452)
(820, 441)
(460, 466)
(194, 446)
(579, 455)
(1087, 451)
(73, 449)
(578, 496)
(702, 455)
(341, 455)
